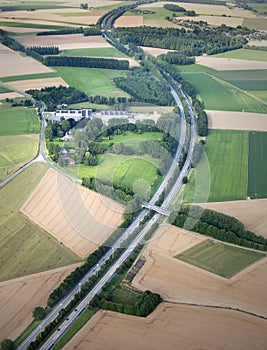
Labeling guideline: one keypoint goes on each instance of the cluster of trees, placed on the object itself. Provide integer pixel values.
(86, 31)
(177, 58)
(108, 100)
(209, 40)
(10, 42)
(174, 8)
(90, 62)
(53, 96)
(45, 50)
(144, 305)
(25, 103)
(213, 2)
(220, 226)
(144, 87)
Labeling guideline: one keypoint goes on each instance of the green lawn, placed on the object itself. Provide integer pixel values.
(95, 52)
(244, 54)
(16, 151)
(219, 95)
(227, 153)
(224, 260)
(18, 120)
(29, 77)
(25, 248)
(91, 80)
(257, 165)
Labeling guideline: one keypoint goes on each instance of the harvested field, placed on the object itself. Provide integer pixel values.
(178, 281)
(237, 120)
(21, 30)
(257, 42)
(76, 216)
(129, 21)
(64, 42)
(206, 9)
(54, 16)
(12, 63)
(24, 85)
(161, 23)
(251, 212)
(154, 51)
(20, 296)
(216, 20)
(9, 95)
(229, 63)
(172, 327)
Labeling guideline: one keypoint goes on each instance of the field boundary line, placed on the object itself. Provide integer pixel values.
(217, 307)
(221, 81)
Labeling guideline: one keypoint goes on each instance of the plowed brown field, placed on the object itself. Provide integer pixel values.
(24, 85)
(19, 297)
(76, 216)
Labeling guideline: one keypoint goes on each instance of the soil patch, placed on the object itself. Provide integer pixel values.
(237, 120)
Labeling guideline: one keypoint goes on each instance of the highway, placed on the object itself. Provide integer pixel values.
(120, 241)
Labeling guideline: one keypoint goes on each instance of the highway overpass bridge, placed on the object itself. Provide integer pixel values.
(160, 210)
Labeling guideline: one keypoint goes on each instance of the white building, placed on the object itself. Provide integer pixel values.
(76, 114)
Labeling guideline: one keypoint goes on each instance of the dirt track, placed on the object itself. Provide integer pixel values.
(77, 217)
(178, 281)
(172, 327)
(19, 297)
(237, 120)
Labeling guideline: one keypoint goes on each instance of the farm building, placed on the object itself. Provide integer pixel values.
(76, 114)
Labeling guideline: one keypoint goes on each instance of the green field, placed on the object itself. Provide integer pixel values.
(25, 248)
(33, 26)
(18, 120)
(261, 8)
(244, 54)
(219, 95)
(95, 52)
(262, 95)
(3, 90)
(227, 153)
(91, 80)
(34, 5)
(245, 79)
(222, 259)
(16, 151)
(257, 165)
(29, 77)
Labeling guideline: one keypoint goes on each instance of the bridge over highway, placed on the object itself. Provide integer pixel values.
(160, 210)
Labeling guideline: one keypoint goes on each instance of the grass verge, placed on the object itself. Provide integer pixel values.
(221, 259)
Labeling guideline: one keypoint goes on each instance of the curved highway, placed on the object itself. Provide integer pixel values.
(127, 232)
